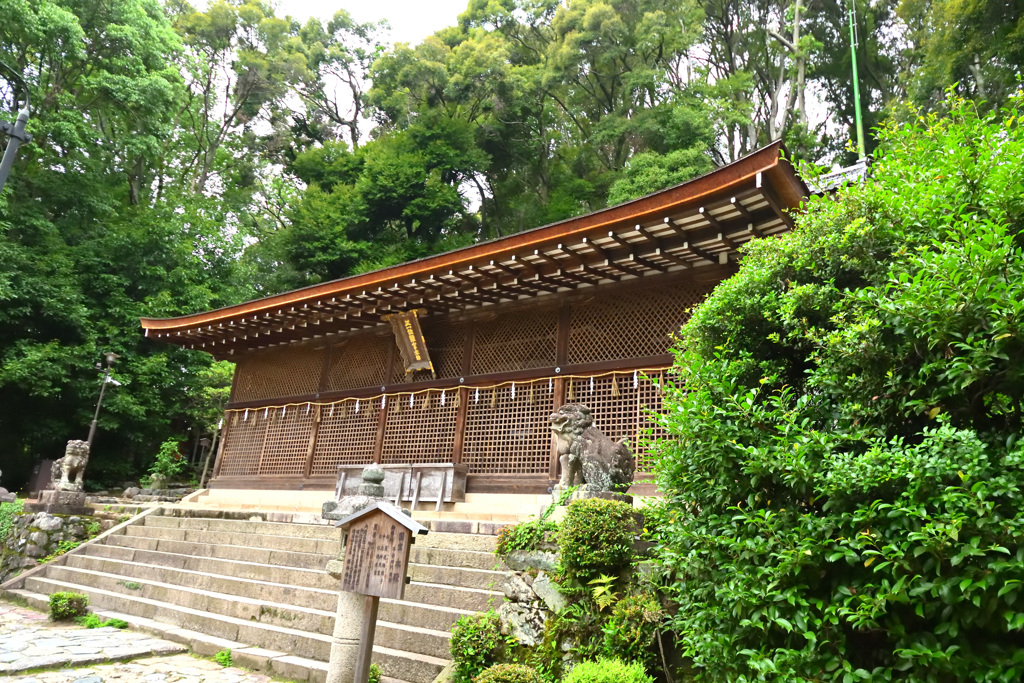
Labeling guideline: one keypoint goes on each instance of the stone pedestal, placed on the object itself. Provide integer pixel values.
(6, 497)
(58, 502)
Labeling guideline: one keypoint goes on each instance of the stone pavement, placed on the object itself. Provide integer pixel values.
(35, 650)
(173, 669)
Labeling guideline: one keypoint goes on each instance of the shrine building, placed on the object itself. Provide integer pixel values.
(495, 337)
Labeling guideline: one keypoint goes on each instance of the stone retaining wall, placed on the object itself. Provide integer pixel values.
(36, 535)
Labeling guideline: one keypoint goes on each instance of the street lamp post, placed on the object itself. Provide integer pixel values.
(16, 131)
(110, 357)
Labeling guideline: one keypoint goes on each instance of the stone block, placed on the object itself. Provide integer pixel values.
(548, 591)
(516, 589)
(35, 551)
(39, 538)
(521, 560)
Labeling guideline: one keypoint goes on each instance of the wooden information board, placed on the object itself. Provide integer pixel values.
(376, 555)
(377, 541)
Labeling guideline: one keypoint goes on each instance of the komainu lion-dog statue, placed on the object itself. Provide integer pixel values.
(67, 472)
(588, 457)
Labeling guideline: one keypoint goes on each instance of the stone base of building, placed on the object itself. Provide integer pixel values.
(57, 502)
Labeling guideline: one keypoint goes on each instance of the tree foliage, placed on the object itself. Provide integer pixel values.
(845, 483)
(94, 233)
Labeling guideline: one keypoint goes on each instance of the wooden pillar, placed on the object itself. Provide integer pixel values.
(266, 432)
(220, 447)
(382, 421)
(325, 368)
(460, 424)
(314, 432)
(559, 401)
(234, 383)
(468, 349)
(564, 329)
(366, 632)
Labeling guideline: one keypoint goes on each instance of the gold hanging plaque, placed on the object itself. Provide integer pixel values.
(409, 338)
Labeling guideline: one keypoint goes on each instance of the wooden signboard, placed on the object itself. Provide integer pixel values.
(409, 338)
(376, 555)
(377, 541)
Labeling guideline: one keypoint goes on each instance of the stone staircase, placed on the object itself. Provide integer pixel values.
(215, 580)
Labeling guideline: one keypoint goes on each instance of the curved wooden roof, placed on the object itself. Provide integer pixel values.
(700, 222)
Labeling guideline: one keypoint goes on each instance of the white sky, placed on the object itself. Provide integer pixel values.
(411, 20)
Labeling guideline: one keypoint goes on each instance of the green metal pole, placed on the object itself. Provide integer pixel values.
(856, 86)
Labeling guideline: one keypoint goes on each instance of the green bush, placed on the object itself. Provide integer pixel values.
(374, 675)
(223, 658)
(64, 606)
(596, 538)
(508, 673)
(845, 486)
(528, 535)
(632, 627)
(476, 643)
(63, 547)
(8, 512)
(93, 621)
(169, 461)
(608, 671)
(531, 534)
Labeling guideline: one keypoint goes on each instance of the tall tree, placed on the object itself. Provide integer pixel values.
(977, 45)
(88, 238)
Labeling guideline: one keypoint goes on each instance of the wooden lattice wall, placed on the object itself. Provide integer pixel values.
(507, 428)
(502, 426)
(359, 361)
(287, 371)
(636, 323)
(620, 404)
(520, 340)
(420, 427)
(347, 435)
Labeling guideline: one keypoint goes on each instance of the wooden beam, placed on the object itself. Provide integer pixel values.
(773, 202)
(700, 252)
(738, 205)
(706, 215)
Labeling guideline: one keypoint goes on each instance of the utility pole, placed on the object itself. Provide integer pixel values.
(16, 131)
(851, 14)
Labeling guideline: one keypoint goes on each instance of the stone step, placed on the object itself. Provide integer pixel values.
(226, 552)
(296, 576)
(473, 599)
(292, 544)
(500, 499)
(456, 576)
(320, 532)
(443, 557)
(300, 643)
(457, 541)
(203, 599)
(431, 615)
(471, 515)
(398, 668)
(408, 666)
(303, 632)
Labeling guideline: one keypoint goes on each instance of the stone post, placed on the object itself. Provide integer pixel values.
(348, 619)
